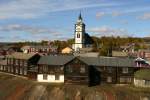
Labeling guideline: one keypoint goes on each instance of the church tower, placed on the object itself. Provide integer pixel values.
(79, 34)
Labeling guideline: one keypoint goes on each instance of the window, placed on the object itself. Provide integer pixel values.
(25, 71)
(109, 69)
(56, 77)
(61, 68)
(82, 69)
(8, 68)
(109, 79)
(16, 62)
(147, 82)
(1, 67)
(21, 62)
(125, 79)
(16, 70)
(78, 35)
(25, 63)
(124, 70)
(21, 70)
(45, 68)
(70, 69)
(44, 76)
(12, 70)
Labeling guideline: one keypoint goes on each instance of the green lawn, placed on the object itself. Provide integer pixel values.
(17, 88)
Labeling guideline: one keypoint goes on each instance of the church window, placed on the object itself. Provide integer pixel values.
(78, 35)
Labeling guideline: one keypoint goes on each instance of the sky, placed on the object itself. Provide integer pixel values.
(36, 20)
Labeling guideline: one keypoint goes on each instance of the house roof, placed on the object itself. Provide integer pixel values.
(38, 47)
(55, 59)
(93, 61)
(20, 55)
(108, 61)
(143, 74)
(88, 54)
(119, 54)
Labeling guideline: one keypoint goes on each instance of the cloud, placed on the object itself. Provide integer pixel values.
(116, 13)
(19, 32)
(28, 9)
(145, 16)
(99, 15)
(108, 31)
(29, 29)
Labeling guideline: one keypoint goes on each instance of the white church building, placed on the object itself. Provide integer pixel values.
(82, 39)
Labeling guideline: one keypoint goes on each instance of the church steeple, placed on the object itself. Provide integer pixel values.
(79, 34)
(80, 17)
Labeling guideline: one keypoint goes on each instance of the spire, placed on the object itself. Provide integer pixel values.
(80, 17)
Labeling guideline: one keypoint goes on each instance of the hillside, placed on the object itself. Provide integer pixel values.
(19, 88)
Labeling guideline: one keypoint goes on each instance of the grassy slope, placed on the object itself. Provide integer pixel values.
(16, 88)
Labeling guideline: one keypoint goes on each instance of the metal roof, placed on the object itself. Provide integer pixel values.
(108, 61)
(93, 61)
(55, 59)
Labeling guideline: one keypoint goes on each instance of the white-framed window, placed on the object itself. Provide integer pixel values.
(16, 62)
(82, 69)
(21, 70)
(16, 70)
(109, 79)
(125, 70)
(25, 71)
(125, 79)
(25, 63)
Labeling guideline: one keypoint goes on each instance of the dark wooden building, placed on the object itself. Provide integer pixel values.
(19, 63)
(51, 68)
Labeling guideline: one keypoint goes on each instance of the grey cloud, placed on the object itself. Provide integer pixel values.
(29, 29)
(145, 16)
(108, 31)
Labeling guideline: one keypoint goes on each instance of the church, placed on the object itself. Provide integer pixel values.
(82, 39)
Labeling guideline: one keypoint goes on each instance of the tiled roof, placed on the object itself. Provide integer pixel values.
(20, 55)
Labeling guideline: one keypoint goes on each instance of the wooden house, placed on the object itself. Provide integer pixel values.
(19, 63)
(3, 65)
(110, 69)
(142, 78)
(67, 50)
(86, 70)
(51, 68)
